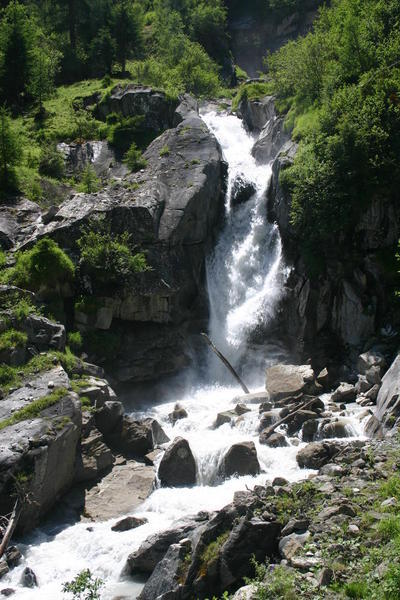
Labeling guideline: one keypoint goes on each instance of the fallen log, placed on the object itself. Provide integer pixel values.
(272, 428)
(12, 523)
(226, 363)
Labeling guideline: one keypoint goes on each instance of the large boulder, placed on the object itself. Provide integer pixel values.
(136, 438)
(134, 100)
(316, 454)
(387, 410)
(284, 381)
(168, 573)
(242, 190)
(241, 459)
(178, 466)
(44, 449)
(256, 113)
(271, 140)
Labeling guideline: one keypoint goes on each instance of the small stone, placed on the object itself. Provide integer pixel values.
(51, 385)
(128, 523)
(241, 409)
(7, 592)
(3, 568)
(279, 481)
(389, 502)
(28, 578)
(353, 530)
(325, 577)
(13, 556)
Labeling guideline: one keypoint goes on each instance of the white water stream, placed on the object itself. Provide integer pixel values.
(245, 277)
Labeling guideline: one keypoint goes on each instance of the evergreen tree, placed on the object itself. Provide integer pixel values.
(9, 150)
(102, 53)
(45, 60)
(16, 43)
(127, 18)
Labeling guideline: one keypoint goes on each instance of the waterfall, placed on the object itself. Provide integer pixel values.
(245, 273)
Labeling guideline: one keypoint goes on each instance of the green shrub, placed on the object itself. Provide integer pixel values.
(356, 589)
(89, 181)
(124, 131)
(23, 308)
(108, 257)
(134, 159)
(164, 151)
(389, 527)
(12, 339)
(43, 266)
(84, 586)
(51, 162)
(75, 340)
(251, 91)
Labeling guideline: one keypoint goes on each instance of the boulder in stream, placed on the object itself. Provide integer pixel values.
(241, 459)
(178, 466)
(289, 380)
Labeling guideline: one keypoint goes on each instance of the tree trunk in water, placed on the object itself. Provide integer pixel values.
(226, 363)
(12, 523)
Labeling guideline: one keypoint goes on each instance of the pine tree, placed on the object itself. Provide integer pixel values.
(45, 62)
(9, 150)
(127, 18)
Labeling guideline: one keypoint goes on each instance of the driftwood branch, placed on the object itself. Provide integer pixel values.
(12, 523)
(226, 363)
(271, 429)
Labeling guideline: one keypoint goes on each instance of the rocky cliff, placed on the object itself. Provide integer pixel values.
(171, 208)
(345, 305)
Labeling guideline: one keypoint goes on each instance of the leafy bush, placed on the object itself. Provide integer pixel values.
(251, 91)
(75, 340)
(108, 257)
(84, 586)
(89, 181)
(51, 162)
(43, 266)
(12, 338)
(134, 159)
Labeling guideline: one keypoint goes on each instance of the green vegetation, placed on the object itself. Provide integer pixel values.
(84, 586)
(9, 151)
(251, 91)
(108, 258)
(211, 552)
(340, 85)
(89, 180)
(11, 339)
(164, 151)
(43, 267)
(75, 341)
(134, 159)
(34, 408)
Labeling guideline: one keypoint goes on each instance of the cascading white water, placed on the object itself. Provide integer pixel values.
(245, 277)
(245, 273)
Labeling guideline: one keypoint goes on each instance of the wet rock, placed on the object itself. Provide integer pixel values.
(7, 592)
(151, 457)
(13, 556)
(336, 429)
(289, 380)
(255, 398)
(242, 191)
(168, 573)
(309, 430)
(373, 375)
(295, 421)
(28, 578)
(256, 113)
(178, 466)
(271, 140)
(265, 407)
(346, 392)
(267, 419)
(241, 459)
(279, 481)
(178, 413)
(3, 568)
(225, 417)
(128, 523)
(154, 548)
(273, 440)
(362, 385)
(241, 409)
